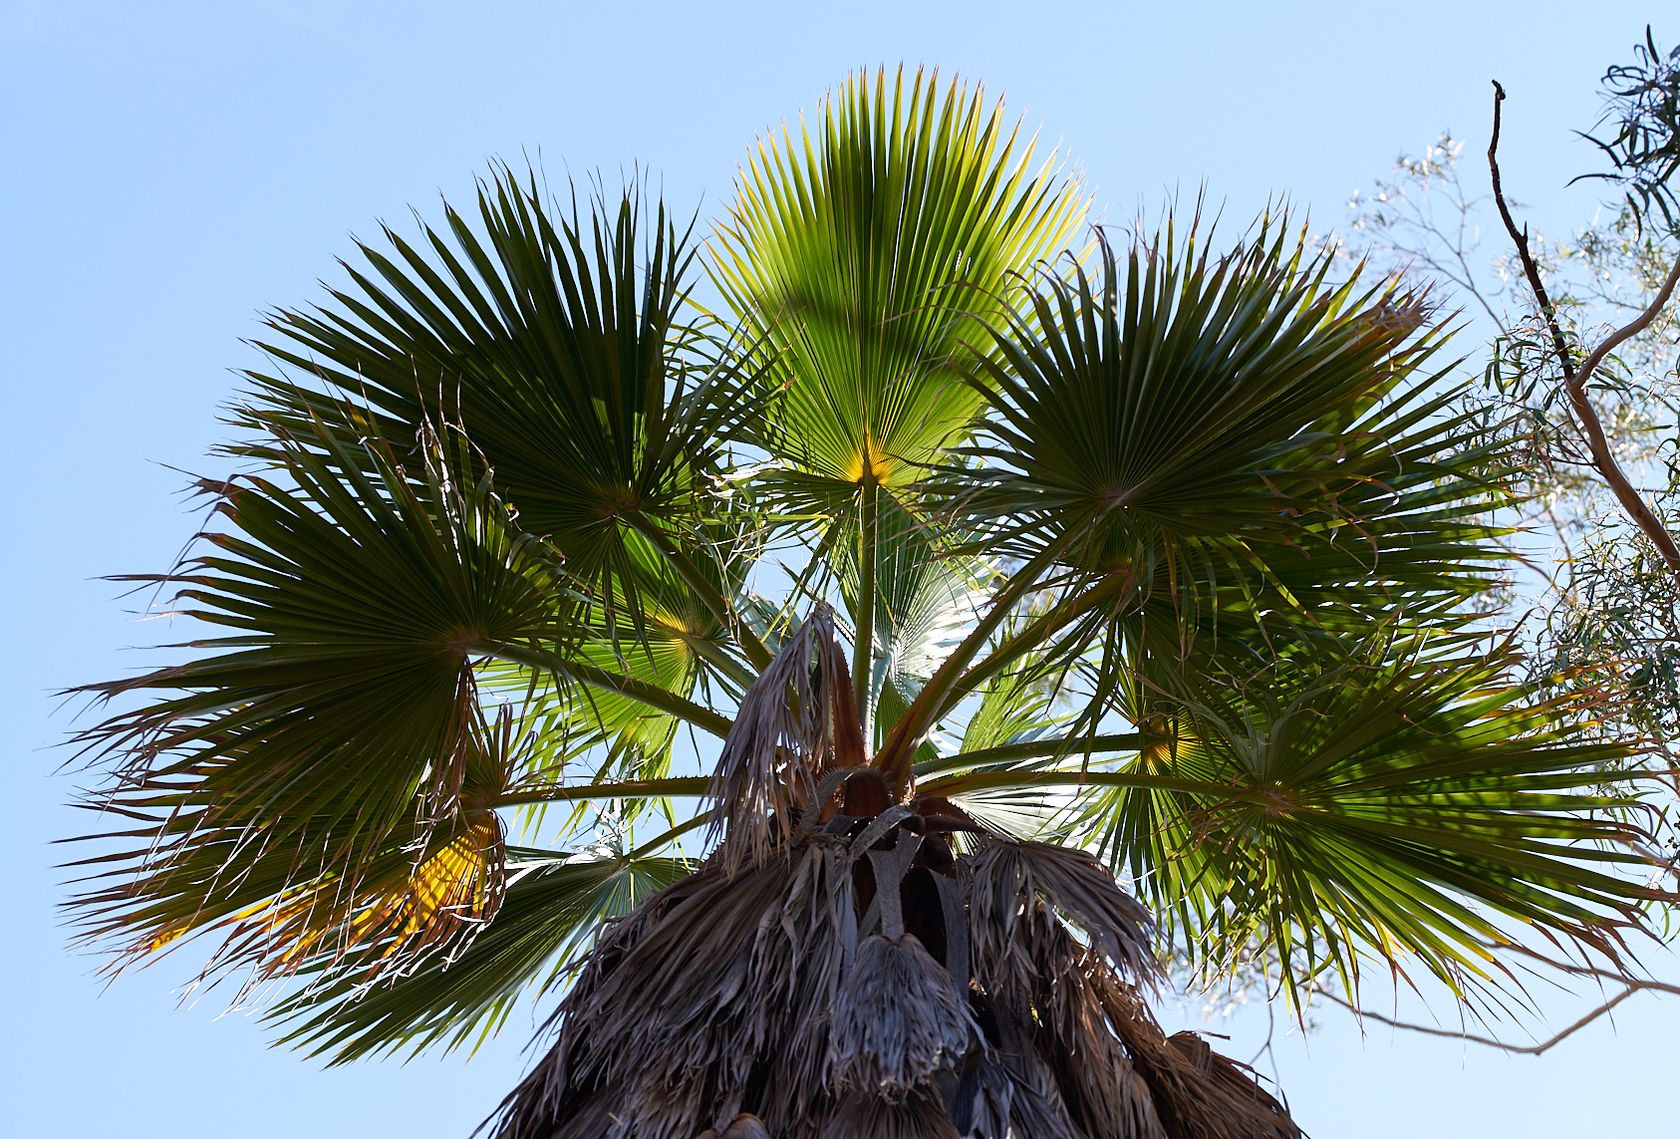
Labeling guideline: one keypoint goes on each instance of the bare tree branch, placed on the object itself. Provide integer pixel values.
(1633, 986)
(1575, 381)
(1628, 986)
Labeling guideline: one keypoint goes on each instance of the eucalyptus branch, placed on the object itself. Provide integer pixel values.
(1575, 381)
(640, 691)
(1632, 328)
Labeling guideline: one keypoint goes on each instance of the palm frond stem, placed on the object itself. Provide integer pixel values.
(942, 688)
(672, 834)
(1048, 747)
(863, 618)
(685, 786)
(1054, 777)
(1041, 627)
(641, 691)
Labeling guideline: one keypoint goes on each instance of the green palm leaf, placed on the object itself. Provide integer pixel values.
(843, 251)
(1184, 420)
(1221, 437)
(558, 343)
(552, 907)
(673, 643)
(855, 256)
(333, 732)
(1403, 803)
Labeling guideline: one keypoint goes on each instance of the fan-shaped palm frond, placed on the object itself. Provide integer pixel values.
(845, 249)
(1406, 804)
(1182, 421)
(559, 343)
(1188, 429)
(334, 732)
(855, 255)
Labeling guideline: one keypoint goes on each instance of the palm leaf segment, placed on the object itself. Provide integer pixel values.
(557, 344)
(1158, 419)
(1106, 536)
(1399, 798)
(319, 787)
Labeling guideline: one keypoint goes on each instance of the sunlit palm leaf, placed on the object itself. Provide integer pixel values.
(552, 907)
(853, 251)
(1015, 707)
(1183, 421)
(1405, 804)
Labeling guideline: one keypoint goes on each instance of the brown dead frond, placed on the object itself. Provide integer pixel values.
(830, 975)
(901, 1020)
(796, 723)
(1075, 887)
(863, 1116)
(1198, 1092)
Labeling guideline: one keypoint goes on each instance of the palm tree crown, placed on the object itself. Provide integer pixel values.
(975, 570)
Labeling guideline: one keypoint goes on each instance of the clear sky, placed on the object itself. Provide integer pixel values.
(170, 169)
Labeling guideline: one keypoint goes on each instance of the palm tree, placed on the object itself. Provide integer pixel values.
(982, 575)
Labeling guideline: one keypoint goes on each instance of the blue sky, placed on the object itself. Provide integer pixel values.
(171, 169)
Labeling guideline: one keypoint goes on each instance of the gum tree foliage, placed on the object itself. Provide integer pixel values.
(1605, 599)
(833, 653)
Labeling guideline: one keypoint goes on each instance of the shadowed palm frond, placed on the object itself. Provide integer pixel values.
(279, 897)
(1220, 436)
(333, 732)
(557, 340)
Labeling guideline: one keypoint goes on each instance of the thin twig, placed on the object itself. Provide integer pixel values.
(1634, 327)
(1633, 987)
(1575, 381)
